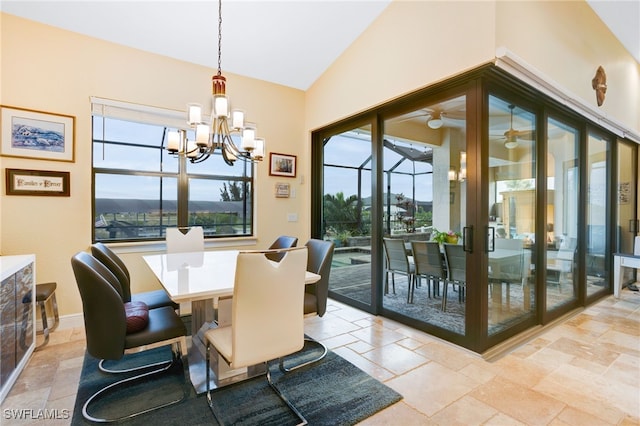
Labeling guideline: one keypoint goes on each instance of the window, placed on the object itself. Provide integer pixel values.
(139, 189)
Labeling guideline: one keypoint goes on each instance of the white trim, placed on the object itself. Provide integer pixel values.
(517, 67)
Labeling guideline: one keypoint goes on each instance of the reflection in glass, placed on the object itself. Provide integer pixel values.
(424, 158)
(562, 214)
(346, 212)
(597, 171)
(512, 213)
(627, 219)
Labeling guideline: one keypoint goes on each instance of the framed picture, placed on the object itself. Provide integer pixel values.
(282, 190)
(36, 134)
(282, 165)
(37, 182)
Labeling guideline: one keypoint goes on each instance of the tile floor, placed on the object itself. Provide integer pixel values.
(585, 371)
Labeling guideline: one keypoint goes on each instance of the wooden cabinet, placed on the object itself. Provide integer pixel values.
(17, 313)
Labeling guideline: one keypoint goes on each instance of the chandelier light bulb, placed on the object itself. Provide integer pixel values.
(258, 151)
(202, 135)
(220, 106)
(237, 119)
(194, 114)
(173, 142)
(249, 137)
(192, 149)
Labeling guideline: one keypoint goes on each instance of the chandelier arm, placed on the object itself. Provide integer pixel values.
(203, 156)
(228, 140)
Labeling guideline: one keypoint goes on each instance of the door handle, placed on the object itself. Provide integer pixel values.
(491, 239)
(467, 239)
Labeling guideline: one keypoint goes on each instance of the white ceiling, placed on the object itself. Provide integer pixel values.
(289, 42)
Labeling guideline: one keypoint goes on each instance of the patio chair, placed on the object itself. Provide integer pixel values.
(456, 261)
(429, 264)
(398, 262)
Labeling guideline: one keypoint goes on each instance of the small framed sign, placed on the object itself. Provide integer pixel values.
(37, 182)
(282, 190)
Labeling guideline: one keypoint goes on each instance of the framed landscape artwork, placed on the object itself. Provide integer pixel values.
(37, 135)
(282, 165)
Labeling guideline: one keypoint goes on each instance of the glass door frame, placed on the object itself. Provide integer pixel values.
(513, 93)
(476, 85)
(550, 112)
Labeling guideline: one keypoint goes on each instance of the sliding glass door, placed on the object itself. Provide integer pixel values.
(424, 168)
(346, 212)
(597, 214)
(512, 214)
(561, 223)
(520, 186)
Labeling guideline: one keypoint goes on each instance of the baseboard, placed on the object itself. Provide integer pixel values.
(66, 322)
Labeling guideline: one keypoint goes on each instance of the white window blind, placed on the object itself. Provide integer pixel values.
(139, 113)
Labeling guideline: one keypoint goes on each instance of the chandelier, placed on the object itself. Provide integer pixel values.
(223, 123)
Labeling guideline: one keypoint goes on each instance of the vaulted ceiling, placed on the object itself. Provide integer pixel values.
(286, 42)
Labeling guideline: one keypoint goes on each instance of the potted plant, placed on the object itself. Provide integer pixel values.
(442, 237)
(342, 238)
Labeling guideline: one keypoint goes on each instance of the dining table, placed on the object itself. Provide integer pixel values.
(205, 279)
(505, 265)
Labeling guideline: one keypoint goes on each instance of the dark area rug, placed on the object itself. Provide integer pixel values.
(330, 392)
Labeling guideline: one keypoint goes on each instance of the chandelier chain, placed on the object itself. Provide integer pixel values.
(220, 37)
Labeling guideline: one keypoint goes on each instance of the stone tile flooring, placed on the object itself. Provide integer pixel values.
(585, 371)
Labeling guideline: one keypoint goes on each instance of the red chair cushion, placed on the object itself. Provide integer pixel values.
(137, 314)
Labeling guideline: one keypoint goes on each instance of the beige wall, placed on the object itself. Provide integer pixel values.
(566, 41)
(47, 69)
(414, 44)
(410, 45)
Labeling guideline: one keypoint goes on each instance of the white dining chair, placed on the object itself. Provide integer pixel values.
(267, 321)
(180, 242)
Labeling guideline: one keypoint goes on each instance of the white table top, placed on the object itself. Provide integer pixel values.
(199, 275)
(504, 254)
(9, 265)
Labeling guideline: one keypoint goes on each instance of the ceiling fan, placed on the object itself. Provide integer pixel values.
(512, 135)
(437, 118)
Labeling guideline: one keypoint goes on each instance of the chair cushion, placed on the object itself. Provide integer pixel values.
(222, 340)
(164, 324)
(137, 314)
(44, 291)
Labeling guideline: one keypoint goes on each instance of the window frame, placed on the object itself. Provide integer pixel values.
(165, 119)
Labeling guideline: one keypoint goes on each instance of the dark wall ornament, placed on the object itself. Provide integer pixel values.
(599, 84)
